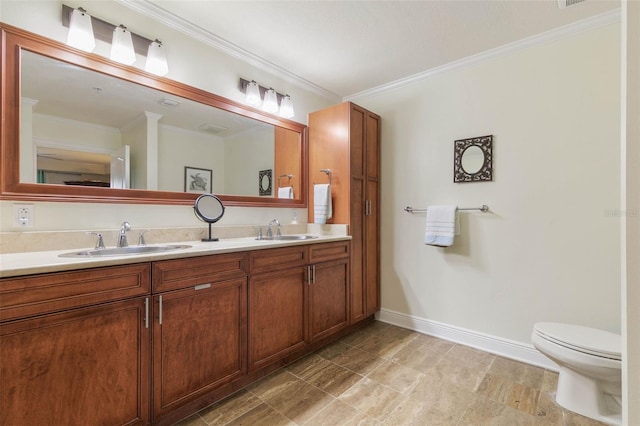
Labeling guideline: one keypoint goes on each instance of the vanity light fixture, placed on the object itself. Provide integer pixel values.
(81, 31)
(270, 103)
(122, 46)
(156, 59)
(286, 107)
(274, 102)
(125, 44)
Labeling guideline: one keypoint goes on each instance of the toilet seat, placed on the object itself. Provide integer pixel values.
(587, 340)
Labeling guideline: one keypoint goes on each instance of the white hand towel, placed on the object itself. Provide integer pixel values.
(441, 225)
(286, 192)
(322, 203)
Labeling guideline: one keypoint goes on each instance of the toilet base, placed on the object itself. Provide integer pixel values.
(589, 397)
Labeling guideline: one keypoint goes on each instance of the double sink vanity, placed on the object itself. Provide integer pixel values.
(162, 332)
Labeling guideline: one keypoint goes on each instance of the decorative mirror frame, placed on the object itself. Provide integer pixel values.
(14, 39)
(485, 143)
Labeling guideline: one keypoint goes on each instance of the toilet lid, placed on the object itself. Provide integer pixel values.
(584, 339)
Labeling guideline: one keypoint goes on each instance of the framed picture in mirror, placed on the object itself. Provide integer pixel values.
(473, 159)
(265, 182)
(197, 180)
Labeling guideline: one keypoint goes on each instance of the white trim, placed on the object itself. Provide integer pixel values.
(536, 40)
(493, 344)
(198, 33)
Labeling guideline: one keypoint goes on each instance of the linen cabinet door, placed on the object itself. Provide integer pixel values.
(199, 341)
(88, 366)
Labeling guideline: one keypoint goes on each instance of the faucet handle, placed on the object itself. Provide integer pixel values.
(259, 237)
(141, 240)
(99, 242)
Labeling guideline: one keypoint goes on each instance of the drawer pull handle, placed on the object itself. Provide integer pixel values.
(202, 286)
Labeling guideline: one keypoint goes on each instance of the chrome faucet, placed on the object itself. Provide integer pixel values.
(270, 229)
(122, 240)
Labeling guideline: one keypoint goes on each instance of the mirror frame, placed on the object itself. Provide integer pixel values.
(15, 39)
(485, 143)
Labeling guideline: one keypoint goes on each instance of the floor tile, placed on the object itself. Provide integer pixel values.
(518, 372)
(262, 415)
(409, 412)
(398, 377)
(371, 398)
(358, 361)
(230, 408)
(339, 413)
(442, 396)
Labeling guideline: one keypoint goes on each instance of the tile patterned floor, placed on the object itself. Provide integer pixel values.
(386, 375)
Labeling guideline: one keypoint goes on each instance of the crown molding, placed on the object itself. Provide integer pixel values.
(196, 32)
(559, 33)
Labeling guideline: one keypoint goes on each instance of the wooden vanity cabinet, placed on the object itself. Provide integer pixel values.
(353, 155)
(199, 327)
(301, 299)
(277, 294)
(82, 358)
(328, 282)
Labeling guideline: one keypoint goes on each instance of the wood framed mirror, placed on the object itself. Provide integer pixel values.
(51, 116)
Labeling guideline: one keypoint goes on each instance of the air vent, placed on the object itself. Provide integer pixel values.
(212, 128)
(168, 102)
(566, 3)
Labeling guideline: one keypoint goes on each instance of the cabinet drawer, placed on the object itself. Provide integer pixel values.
(182, 273)
(38, 294)
(276, 259)
(328, 251)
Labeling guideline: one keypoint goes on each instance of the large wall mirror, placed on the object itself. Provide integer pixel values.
(79, 127)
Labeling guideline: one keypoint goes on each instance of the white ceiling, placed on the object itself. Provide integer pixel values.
(347, 47)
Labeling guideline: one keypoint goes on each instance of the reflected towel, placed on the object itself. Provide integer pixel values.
(286, 192)
(441, 225)
(322, 203)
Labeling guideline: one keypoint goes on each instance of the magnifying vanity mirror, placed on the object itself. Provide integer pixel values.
(473, 159)
(79, 127)
(208, 208)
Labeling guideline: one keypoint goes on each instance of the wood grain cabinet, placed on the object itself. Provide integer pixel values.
(82, 358)
(301, 299)
(328, 282)
(199, 327)
(346, 139)
(277, 293)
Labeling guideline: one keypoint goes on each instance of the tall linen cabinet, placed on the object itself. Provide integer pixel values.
(345, 139)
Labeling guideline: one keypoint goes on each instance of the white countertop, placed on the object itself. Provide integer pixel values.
(17, 264)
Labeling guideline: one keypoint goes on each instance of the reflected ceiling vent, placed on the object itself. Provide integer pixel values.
(566, 3)
(212, 128)
(169, 103)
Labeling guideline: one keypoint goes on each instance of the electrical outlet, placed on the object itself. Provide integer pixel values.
(23, 215)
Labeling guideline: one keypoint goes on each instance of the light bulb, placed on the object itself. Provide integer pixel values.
(270, 101)
(122, 46)
(253, 94)
(286, 107)
(81, 31)
(156, 59)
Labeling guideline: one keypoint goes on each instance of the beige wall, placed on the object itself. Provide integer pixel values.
(549, 250)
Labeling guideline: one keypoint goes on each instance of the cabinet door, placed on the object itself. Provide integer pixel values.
(199, 341)
(328, 298)
(87, 366)
(276, 315)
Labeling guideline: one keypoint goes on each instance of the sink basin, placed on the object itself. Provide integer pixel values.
(123, 251)
(289, 238)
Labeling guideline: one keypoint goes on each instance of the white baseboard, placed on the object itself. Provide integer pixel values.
(495, 345)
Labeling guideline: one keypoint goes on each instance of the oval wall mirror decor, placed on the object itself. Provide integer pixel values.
(473, 159)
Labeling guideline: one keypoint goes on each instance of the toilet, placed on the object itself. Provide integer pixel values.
(590, 379)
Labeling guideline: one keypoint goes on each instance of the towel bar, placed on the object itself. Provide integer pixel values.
(484, 208)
